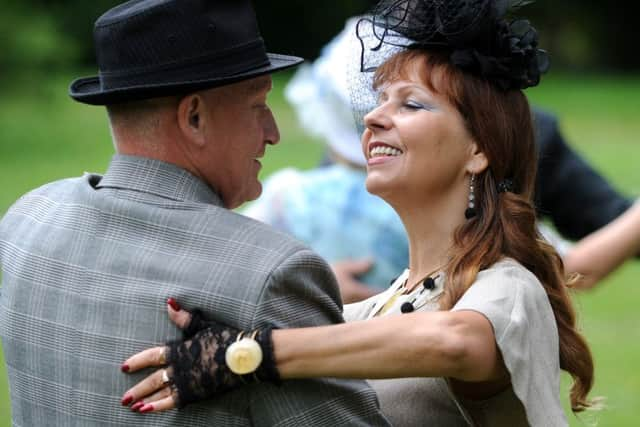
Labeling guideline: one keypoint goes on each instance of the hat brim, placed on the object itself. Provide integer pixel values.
(88, 91)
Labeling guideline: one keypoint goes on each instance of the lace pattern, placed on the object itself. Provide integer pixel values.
(198, 366)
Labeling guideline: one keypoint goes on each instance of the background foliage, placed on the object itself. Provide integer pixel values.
(580, 34)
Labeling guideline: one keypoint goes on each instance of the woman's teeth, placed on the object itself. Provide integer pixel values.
(384, 151)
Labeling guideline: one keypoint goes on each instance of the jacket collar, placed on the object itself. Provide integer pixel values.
(158, 178)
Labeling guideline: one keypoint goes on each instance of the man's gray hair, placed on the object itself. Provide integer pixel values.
(141, 118)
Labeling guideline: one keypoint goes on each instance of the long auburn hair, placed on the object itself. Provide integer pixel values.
(501, 124)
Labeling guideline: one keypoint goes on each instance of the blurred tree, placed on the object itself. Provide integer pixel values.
(578, 33)
(616, 37)
(588, 33)
(76, 18)
(302, 27)
(31, 39)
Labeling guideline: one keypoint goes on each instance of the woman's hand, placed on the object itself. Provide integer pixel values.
(347, 272)
(197, 367)
(155, 393)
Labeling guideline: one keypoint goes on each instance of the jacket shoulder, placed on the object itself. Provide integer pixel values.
(56, 190)
(255, 232)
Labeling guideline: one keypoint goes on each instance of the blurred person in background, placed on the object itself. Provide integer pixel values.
(329, 208)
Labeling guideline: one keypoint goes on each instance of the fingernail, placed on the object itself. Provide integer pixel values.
(126, 399)
(174, 304)
(124, 367)
(146, 408)
(139, 404)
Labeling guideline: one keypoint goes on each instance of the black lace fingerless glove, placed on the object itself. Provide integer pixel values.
(198, 365)
(196, 324)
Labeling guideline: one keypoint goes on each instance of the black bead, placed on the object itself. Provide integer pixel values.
(506, 185)
(470, 213)
(429, 283)
(407, 307)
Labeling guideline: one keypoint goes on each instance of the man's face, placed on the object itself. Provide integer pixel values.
(239, 127)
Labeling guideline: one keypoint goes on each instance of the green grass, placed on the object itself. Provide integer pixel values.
(45, 136)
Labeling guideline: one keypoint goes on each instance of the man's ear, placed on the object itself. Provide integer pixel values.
(477, 161)
(190, 118)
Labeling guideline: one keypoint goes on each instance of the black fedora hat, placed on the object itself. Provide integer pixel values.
(152, 48)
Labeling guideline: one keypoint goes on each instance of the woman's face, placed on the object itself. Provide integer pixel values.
(416, 144)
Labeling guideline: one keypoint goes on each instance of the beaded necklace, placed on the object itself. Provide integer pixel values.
(428, 283)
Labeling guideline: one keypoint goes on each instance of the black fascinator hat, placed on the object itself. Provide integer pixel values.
(478, 34)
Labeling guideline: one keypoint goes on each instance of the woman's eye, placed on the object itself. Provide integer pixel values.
(412, 105)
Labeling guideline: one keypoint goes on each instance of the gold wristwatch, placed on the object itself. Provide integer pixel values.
(244, 355)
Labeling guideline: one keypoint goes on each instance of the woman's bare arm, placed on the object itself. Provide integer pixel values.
(458, 344)
(603, 251)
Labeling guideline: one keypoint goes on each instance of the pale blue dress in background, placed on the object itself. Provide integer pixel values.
(329, 209)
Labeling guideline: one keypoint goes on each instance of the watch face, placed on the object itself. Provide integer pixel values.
(244, 356)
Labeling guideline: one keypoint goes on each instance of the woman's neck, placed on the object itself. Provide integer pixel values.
(430, 230)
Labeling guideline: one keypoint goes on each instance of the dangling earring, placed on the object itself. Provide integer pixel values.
(471, 209)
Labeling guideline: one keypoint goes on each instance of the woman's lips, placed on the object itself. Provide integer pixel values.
(379, 152)
(380, 160)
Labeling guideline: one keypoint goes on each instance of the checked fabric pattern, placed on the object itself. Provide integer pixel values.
(87, 266)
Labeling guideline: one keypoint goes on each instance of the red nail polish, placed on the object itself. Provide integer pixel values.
(146, 408)
(139, 404)
(124, 367)
(126, 399)
(174, 304)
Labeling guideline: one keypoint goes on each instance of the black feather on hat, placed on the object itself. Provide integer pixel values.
(478, 35)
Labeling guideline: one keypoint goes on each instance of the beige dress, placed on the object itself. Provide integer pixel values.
(515, 303)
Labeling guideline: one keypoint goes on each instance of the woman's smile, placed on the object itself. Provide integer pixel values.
(380, 152)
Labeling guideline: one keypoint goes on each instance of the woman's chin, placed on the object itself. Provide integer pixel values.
(378, 187)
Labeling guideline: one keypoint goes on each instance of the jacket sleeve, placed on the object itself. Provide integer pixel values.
(302, 292)
(568, 190)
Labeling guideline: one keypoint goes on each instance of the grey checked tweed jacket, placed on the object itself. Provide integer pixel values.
(87, 266)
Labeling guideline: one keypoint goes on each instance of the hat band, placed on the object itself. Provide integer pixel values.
(221, 65)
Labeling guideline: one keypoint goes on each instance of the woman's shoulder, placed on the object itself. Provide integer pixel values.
(511, 297)
(510, 277)
(509, 267)
(516, 304)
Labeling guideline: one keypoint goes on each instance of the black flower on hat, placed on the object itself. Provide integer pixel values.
(477, 33)
(515, 62)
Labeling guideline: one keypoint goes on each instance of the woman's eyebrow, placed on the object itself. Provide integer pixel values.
(402, 90)
(414, 86)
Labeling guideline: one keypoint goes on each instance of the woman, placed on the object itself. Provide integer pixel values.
(476, 330)
(361, 236)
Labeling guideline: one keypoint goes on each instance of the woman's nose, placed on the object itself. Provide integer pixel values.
(377, 119)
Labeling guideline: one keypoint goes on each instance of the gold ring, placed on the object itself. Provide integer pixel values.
(165, 377)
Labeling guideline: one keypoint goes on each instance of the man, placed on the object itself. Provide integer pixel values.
(88, 263)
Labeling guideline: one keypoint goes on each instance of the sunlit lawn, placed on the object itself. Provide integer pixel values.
(45, 136)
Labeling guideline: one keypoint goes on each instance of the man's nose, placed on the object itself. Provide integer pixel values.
(271, 132)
